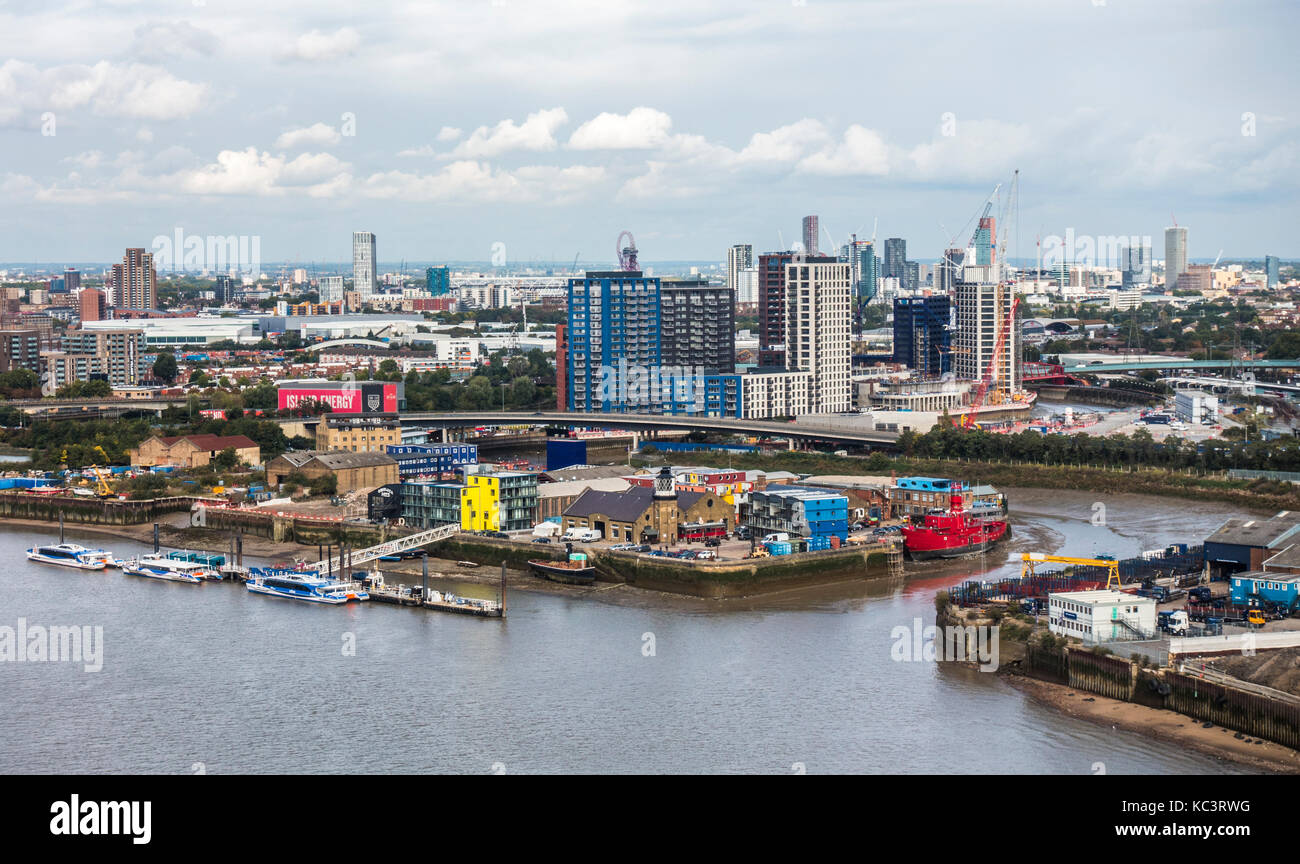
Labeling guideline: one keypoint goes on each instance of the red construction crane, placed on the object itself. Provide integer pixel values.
(968, 419)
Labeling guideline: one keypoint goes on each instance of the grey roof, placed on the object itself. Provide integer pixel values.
(1256, 532)
(625, 506)
(583, 472)
(1288, 557)
(337, 459)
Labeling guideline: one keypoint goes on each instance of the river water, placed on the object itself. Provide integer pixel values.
(208, 677)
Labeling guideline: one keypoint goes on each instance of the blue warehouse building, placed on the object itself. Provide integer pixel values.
(814, 514)
(416, 460)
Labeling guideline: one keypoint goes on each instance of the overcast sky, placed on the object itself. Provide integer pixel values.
(550, 126)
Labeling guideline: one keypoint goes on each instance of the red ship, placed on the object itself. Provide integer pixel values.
(954, 533)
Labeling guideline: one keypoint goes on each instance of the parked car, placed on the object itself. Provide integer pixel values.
(541, 539)
(713, 541)
(706, 555)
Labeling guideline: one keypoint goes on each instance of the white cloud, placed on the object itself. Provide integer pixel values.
(472, 181)
(981, 149)
(536, 133)
(640, 128)
(315, 135)
(422, 150)
(132, 90)
(784, 144)
(248, 172)
(655, 183)
(158, 39)
(862, 151)
(316, 45)
(449, 133)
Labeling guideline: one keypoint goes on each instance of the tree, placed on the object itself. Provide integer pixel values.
(226, 460)
(164, 368)
(96, 389)
(17, 382)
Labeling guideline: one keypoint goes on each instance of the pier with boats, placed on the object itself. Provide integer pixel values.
(334, 580)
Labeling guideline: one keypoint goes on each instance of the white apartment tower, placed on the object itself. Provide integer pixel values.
(818, 324)
(331, 289)
(1175, 254)
(364, 274)
(982, 309)
(739, 257)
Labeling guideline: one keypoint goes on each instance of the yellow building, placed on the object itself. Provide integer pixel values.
(502, 501)
(480, 504)
(357, 434)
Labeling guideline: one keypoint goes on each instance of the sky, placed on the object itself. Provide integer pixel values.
(542, 129)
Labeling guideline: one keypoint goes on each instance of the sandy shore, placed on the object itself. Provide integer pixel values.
(1221, 743)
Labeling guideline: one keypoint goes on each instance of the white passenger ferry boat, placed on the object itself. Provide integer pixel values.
(310, 587)
(71, 555)
(167, 569)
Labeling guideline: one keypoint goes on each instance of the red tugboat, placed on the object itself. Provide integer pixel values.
(952, 534)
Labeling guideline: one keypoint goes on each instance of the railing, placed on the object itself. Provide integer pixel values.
(1214, 676)
(392, 547)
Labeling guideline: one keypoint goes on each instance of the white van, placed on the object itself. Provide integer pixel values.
(582, 535)
(776, 538)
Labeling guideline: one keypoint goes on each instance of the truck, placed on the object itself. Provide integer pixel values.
(781, 537)
(1175, 622)
(582, 535)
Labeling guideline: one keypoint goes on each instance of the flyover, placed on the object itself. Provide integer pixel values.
(1099, 366)
(88, 407)
(640, 423)
(340, 343)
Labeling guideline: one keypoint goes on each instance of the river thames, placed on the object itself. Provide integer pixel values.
(210, 678)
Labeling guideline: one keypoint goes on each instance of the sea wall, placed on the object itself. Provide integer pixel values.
(1114, 677)
(94, 511)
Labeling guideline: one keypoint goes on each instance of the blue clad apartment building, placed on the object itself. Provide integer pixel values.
(638, 344)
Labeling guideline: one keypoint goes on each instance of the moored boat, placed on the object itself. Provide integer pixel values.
(166, 569)
(306, 586)
(70, 555)
(576, 571)
(954, 533)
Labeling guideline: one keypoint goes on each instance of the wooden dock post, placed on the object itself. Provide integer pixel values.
(60, 527)
(424, 565)
(503, 589)
(155, 538)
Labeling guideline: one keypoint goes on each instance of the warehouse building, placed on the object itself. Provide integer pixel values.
(815, 514)
(659, 514)
(193, 451)
(353, 470)
(1244, 543)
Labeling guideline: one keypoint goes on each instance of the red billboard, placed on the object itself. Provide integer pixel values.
(367, 397)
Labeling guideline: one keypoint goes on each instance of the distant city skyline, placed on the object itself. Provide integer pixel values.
(155, 115)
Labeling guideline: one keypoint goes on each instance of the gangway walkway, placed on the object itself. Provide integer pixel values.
(391, 547)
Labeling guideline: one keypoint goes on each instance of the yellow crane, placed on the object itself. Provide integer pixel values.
(1033, 559)
(102, 489)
